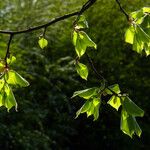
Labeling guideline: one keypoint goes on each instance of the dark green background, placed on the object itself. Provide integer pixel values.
(45, 117)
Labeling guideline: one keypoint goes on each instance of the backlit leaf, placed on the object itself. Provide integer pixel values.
(129, 125)
(43, 42)
(87, 93)
(16, 79)
(131, 108)
(82, 70)
(115, 102)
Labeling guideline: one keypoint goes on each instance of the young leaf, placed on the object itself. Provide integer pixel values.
(8, 99)
(1, 84)
(84, 108)
(91, 107)
(129, 35)
(115, 88)
(80, 47)
(131, 108)
(146, 9)
(129, 125)
(11, 60)
(16, 79)
(74, 39)
(142, 35)
(87, 93)
(82, 70)
(86, 40)
(81, 23)
(115, 102)
(42, 43)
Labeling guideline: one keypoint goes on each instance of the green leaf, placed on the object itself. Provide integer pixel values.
(86, 40)
(75, 36)
(91, 107)
(81, 41)
(129, 125)
(11, 60)
(131, 108)
(80, 47)
(1, 84)
(87, 93)
(81, 23)
(43, 42)
(146, 9)
(129, 35)
(142, 35)
(146, 22)
(7, 98)
(84, 108)
(115, 102)
(82, 70)
(115, 88)
(137, 44)
(16, 79)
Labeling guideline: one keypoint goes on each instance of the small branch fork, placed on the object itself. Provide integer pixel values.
(86, 6)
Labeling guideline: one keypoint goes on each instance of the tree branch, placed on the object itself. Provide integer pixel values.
(86, 6)
(122, 10)
(8, 50)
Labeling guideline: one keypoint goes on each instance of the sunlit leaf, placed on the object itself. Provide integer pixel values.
(7, 98)
(81, 23)
(146, 9)
(87, 93)
(113, 88)
(11, 60)
(129, 125)
(82, 70)
(90, 107)
(131, 108)
(115, 102)
(86, 40)
(16, 79)
(75, 36)
(129, 35)
(43, 42)
(1, 83)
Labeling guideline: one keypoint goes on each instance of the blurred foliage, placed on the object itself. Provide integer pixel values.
(45, 117)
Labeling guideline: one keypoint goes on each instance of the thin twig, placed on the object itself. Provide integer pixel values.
(123, 10)
(8, 50)
(52, 21)
(94, 69)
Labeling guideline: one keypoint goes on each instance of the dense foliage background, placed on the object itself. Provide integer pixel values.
(45, 119)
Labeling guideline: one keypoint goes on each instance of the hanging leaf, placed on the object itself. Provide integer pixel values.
(81, 41)
(91, 107)
(43, 43)
(11, 60)
(87, 93)
(138, 33)
(81, 23)
(129, 125)
(131, 108)
(129, 35)
(82, 70)
(115, 102)
(1, 84)
(16, 79)
(80, 47)
(75, 36)
(115, 88)
(7, 98)
(86, 40)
